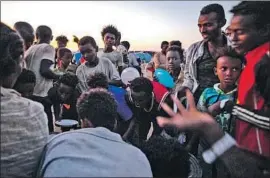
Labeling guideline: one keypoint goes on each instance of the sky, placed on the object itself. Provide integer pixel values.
(145, 24)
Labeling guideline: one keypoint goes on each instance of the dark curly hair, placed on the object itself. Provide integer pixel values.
(177, 49)
(230, 52)
(62, 38)
(110, 29)
(26, 31)
(88, 40)
(167, 157)
(27, 76)
(262, 78)
(99, 107)
(69, 79)
(259, 10)
(44, 32)
(175, 43)
(164, 43)
(217, 8)
(61, 52)
(98, 80)
(141, 84)
(126, 44)
(11, 51)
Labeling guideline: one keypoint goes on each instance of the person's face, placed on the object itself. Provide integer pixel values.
(173, 57)
(26, 89)
(141, 99)
(61, 44)
(109, 40)
(243, 34)
(88, 52)
(65, 92)
(228, 71)
(208, 26)
(66, 59)
(164, 47)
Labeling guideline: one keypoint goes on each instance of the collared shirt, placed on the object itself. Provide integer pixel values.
(193, 54)
(93, 152)
(24, 133)
(205, 72)
(212, 95)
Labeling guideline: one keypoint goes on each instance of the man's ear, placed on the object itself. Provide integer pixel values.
(51, 37)
(86, 123)
(215, 71)
(222, 23)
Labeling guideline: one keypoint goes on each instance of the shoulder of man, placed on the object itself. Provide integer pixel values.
(194, 46)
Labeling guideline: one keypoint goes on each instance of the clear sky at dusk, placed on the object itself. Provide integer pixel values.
(144, 23)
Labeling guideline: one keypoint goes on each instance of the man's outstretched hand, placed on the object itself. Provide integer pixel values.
(191, 119)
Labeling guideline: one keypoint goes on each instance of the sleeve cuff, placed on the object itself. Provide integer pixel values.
(218, 148)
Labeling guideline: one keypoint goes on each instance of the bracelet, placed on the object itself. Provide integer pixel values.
(218, 148)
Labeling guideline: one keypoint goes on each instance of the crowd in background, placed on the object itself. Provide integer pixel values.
(196, 113)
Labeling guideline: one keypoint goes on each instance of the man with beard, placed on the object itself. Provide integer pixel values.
(88, 48)
(110, 35)
(201, 56)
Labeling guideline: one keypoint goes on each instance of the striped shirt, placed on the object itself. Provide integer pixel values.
(24, 133)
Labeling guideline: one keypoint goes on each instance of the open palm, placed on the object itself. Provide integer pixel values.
(185, 119)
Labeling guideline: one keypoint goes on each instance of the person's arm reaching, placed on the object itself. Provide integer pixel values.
(47, 60)
(239, 163)
(45, 70)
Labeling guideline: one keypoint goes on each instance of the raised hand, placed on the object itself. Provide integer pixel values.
(185, 119)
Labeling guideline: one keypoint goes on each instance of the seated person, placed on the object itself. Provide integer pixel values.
(64, 97)
(168, 158)
(88, 48)
(64, 57)
(238, 162)
(99, 80)
(144, 99)
(23, 122)
(25, 86)
(228, 70)
(95, 150)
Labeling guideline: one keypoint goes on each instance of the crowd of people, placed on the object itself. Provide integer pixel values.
(213, 123)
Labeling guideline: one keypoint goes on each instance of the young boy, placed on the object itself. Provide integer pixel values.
(25, 86)
(64, 97)
(64, 57)
(228, 69)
